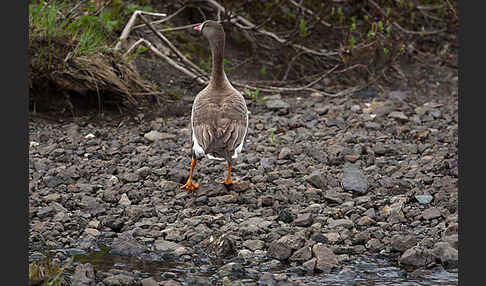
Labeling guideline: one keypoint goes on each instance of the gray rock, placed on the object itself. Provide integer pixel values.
(165, 245)
(317, 179)
(45, 212)
(119, 279)
(398, 95)
(310, 265)
(143, 172)
(126, 244)
(374, 245)
(301, 255)
(431, 213)
(233, 270)
(91, 205)
(401, 242)
(149, 282)
(326, 260)
(292, 241)
(424, 199)
(379, 148)
(195, 280)
(334, 196)
(354, 179)
(155, 136)
(452, 239)
(344, 222)
(254, 244)
(416, 257)
(84, 275)
(124, 200)
(285, 153)
(303, 220)
(366, 221)
(279, 250)
(446, 254)
(398, 115)
(274, 103)
(170, 282)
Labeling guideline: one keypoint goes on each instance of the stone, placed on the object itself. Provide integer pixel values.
(84, 275)
(332, 237)
(346, 223)
(124, 200)
(401, 242)
(156, 136)
(317, 179)
(416, 257)
(279, 250)
(379, 149)
(424, 199)
(301, 255)
(354, 180)
(365, 221)
(303, 220)
(274, 103)
(452, 239)
(326, 260)
(119, 279)
(374, 245)
(310, 265)
(267, 201)
(196, 280)
(143, 171)
(446, 254)
(285, 215)
(125, 244)
(149, 282)
(292, 241)
(398, 115)
(233, 270)
(431, 213)
(285, 153)
(254, 244)
(52, 197)
(165, 245)
(92, 231)
(334, 196)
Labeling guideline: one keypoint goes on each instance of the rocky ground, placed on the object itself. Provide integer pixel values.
(323, 181)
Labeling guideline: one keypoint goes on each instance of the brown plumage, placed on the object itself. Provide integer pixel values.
(219, 119)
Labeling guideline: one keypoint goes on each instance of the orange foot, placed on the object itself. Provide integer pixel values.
(228, 182)
(190, 186)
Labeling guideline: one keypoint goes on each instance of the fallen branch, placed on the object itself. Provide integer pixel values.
(163, 20)
(128, 28)
(166, 58)
(173, 48)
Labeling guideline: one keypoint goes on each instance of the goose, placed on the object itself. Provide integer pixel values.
(219, 117)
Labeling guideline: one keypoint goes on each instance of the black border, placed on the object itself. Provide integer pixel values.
(14, 213)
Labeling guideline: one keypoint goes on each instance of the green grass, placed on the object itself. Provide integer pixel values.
(48, 273)
(89, 30)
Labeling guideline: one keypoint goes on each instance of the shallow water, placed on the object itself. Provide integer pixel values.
(363, 271)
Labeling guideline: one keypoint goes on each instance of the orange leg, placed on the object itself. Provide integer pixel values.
(228, 180)
(189, 185)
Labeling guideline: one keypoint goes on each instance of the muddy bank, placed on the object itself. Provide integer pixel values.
(324, 182)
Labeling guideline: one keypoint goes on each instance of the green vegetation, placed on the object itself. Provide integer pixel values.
(47, 272)
(89, 31)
